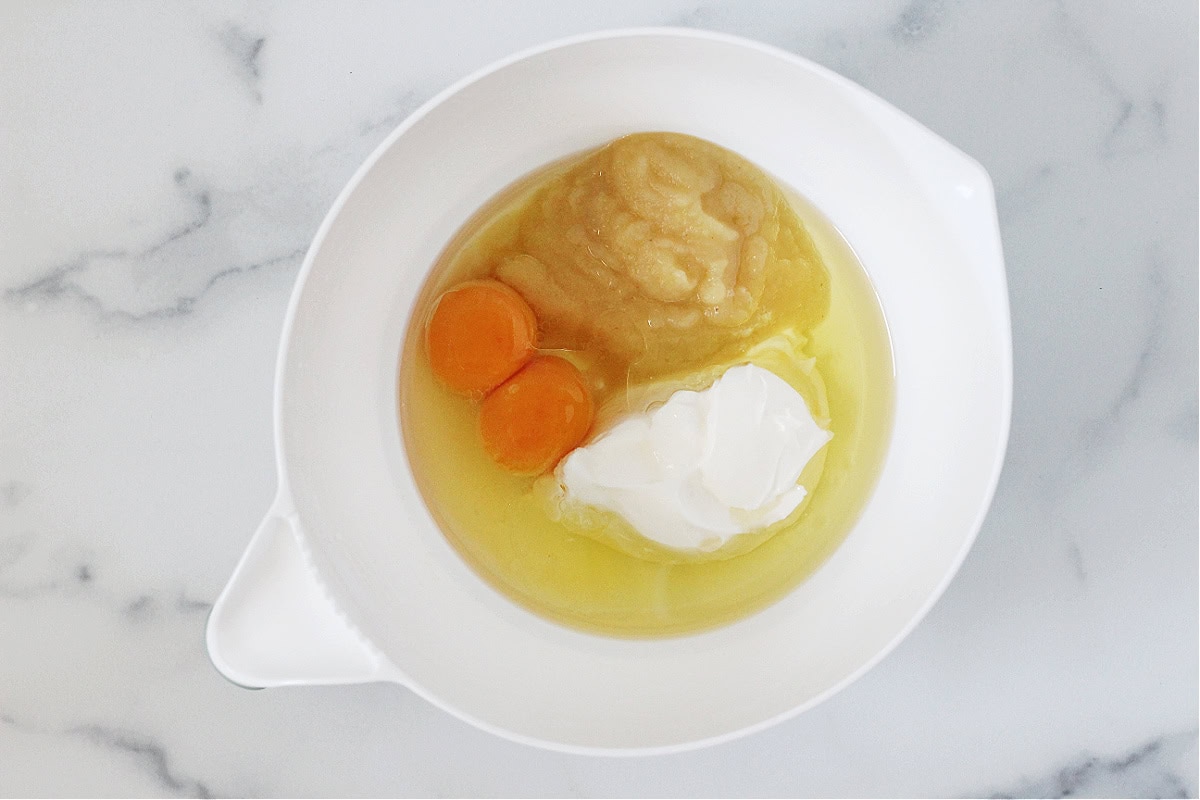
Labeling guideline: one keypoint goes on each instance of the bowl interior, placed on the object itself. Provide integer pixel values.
(919, 214)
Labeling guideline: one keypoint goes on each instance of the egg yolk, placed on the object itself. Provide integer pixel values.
(479, 334)
(537, 416)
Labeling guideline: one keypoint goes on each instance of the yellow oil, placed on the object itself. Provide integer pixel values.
(500, 523)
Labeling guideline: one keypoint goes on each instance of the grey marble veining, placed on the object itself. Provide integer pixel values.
(244, 47)
(161, 279)
(162, 170)
(1146, 771)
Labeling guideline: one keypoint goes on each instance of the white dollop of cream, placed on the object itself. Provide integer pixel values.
(705, 466)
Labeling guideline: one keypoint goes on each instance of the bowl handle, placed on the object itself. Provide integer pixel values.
(274, 624)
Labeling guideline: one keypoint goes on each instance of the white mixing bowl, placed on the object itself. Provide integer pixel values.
(349, 578)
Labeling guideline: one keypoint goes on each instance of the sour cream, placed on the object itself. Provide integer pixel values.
(705, 466)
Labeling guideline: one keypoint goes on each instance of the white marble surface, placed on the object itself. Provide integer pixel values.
(162, 169)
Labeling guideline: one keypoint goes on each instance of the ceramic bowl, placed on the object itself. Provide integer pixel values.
(349, 579)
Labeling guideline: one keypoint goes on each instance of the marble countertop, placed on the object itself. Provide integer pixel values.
(162, 170)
